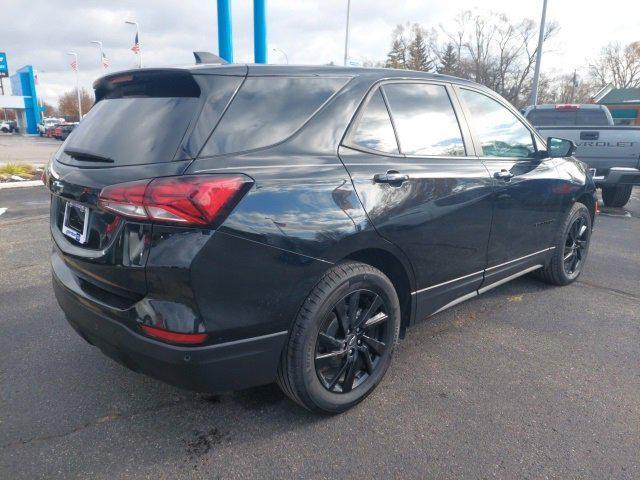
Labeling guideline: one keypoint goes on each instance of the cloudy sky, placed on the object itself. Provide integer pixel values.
(41, 32)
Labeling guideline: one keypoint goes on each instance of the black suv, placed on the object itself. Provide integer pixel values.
(219, 227)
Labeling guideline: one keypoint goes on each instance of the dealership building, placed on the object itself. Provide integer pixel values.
(23, 100)
(623, 103)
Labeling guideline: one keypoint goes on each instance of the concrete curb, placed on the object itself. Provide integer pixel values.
(27, 183)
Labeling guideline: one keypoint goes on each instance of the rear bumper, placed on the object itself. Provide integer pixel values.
(212, 368)
(618, 176)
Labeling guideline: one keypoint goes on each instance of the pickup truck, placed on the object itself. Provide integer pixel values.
(612, 152)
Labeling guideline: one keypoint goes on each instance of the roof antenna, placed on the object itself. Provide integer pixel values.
(208, 57)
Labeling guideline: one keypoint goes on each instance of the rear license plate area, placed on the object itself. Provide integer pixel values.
(75, 223)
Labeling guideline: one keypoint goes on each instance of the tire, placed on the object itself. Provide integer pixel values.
(617, 196)
(558, 271)
(320, 346)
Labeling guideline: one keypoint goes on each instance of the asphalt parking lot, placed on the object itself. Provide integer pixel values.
(527, 381)
(21, 149)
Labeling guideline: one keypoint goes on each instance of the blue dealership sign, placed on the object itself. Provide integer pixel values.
(4, 68)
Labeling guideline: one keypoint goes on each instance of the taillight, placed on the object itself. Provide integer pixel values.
(203, 200)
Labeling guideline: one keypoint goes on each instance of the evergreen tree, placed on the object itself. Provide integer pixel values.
(449, 64)
(418, 58)
(397, 56)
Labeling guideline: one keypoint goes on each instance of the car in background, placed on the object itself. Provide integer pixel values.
(48, 123)
(66, 129)
(611, 151)
(9, 126)
(62, 130)
(50, 130)
(242, 224)
(56, 132)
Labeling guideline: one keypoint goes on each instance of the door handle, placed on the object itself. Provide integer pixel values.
(391, 177)
(503, 174)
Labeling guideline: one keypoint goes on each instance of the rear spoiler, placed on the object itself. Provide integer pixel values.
(147, 82)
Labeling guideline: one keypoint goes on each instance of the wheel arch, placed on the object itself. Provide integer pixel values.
(589, 201)
(402, 279)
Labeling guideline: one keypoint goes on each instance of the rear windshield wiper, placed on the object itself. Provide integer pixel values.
(86, 156)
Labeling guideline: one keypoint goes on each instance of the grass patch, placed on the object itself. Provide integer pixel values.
(15, 169)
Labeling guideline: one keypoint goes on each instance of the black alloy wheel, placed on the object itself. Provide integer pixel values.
(575, 246)
(342, 341)
(351, 342)
(570, 247)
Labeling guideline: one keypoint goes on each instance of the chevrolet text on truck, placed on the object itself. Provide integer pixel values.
(612, 151)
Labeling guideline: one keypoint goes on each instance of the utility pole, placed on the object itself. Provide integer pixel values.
(536, 74)
(138, 44)
(259, 31)
(77, 67)
(225, 42)
(346, 36)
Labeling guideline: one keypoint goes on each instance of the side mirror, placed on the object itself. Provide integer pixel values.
(559, 147)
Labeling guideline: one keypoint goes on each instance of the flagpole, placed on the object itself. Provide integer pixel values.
(138, 37)
(75, 58)
(101, 52)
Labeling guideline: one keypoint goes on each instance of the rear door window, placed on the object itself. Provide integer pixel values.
(374, 130)
(268, 110)
(424, 119)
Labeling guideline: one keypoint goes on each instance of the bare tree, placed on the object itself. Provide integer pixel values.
(570, 88)
(68, 103)
(50, 110)
(617, 65)
(491, 50)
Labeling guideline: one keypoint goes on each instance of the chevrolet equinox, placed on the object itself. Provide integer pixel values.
(224, 226)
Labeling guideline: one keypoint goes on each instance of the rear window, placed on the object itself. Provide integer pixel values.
(553, 117)
(138, 119)
(374, 130)
(267, 110)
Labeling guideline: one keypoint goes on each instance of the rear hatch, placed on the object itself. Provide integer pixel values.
(144, 125)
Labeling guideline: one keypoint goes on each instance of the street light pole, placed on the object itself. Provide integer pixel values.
(346, 36)
(75, 59)
(286, 58)
(536, 73)
(129, 22)
(101, 51)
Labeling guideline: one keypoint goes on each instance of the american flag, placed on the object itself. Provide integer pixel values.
(136, 45)
(105, 61)
(74, 66)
